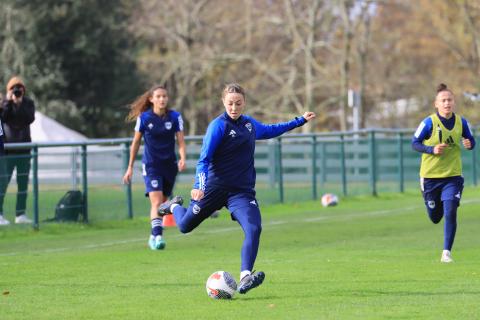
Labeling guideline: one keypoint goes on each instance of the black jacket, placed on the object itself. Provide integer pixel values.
(1, 141)
(16, 122)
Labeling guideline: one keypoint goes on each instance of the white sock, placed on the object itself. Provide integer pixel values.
(244, 273)
(172, 207)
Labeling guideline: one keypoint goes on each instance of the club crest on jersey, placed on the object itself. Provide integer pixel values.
(154, 183)
(168, 125)
(196, 209)
(431, 204)
(232, 133)
(150, 126)
(249, 126)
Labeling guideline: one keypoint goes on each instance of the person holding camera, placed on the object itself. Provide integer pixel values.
(17, 113)
(2, 147)
(2, 160)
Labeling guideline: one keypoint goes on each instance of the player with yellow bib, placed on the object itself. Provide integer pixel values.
(439, 138)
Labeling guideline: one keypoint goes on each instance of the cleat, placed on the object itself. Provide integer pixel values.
(251, 281)
(22, 219)
(3, 221)
(156, 243)
(446, 256)
(151, 243)
(164, 208)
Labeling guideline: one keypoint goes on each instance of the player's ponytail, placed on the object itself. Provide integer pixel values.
(142, 103)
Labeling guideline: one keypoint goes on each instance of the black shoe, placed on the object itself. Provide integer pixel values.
(164, 208)
(251, 281)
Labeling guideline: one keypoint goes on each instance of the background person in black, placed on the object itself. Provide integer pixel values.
(2, 164)
(17, 113)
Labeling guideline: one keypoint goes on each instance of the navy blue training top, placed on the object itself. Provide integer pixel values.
(424, 131)
(159, 136)
(227, 155)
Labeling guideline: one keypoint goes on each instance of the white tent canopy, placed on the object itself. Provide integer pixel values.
(45, 129)
(62, 165)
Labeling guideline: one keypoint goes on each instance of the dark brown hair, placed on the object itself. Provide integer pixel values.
(142, 103)
(233, 88)
(443, 87)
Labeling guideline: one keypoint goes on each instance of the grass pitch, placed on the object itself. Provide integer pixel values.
(368, 258)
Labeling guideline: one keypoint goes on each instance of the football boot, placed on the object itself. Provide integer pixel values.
(251, 281)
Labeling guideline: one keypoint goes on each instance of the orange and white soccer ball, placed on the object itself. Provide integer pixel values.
(221, 285)
(329, 200)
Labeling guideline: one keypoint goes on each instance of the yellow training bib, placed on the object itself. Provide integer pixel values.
(448, 164)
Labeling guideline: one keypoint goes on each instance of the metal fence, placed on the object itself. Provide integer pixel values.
(294, 167)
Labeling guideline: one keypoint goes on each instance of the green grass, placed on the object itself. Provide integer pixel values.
(368, 258)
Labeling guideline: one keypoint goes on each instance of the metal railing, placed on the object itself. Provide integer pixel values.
(346, 162)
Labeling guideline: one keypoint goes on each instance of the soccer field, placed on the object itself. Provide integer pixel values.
(368, 258)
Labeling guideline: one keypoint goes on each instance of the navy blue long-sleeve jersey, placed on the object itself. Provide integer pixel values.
(227, 156)
(424, 131)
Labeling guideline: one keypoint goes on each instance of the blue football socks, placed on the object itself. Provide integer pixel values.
(157, 228)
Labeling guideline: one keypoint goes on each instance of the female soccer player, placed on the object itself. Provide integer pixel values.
(438, 138)
(225, 177)
(158, 126)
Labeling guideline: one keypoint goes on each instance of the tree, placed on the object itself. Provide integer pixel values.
(78, 60)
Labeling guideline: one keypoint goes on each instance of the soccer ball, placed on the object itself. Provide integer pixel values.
(329, 200)
(221, 285)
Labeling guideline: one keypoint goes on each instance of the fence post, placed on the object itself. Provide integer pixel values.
(84, 183)
(279, 169)
(314, 167)
(343, 166)
(400, 162)
(34, 154)
(373, 168)
(323, 159)
(272, 153)
(127, 187)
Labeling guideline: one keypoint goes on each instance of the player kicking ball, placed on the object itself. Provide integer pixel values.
(439, 138)
(225, 177)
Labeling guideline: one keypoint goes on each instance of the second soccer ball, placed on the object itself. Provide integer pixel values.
(329, 200)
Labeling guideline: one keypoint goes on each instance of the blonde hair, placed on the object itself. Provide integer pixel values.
(142, 103)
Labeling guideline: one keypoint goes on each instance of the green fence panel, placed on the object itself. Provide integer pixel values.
(295, 167)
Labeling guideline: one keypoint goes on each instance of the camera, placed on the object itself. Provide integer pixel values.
(17, 91)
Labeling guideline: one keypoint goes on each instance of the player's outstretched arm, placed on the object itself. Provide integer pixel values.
(309, 115)
(268, 131)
